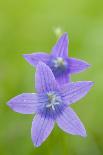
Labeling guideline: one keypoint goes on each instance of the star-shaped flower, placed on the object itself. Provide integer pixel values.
(59, 62)
(50, 104)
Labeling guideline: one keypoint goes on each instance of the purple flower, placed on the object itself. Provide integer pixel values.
(50, 104)
(59, 62)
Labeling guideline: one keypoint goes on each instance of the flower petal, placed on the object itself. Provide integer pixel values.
(69, 122)
(45, 80)
(74, 91)
(77, 65)
(60, 49)
(63, 78)
(34, 58)
(41, 129)
(25, 103)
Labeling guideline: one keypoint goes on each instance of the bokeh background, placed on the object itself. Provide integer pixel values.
(34, 25)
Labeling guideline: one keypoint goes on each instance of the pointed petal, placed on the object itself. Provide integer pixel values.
(45, 80)
(34, 58)
(26, 103)
(41, 129)
(69, 122)
(74, 91)
(77, 65)
(60, 49)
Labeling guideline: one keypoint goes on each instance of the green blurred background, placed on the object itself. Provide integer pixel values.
(31, 25)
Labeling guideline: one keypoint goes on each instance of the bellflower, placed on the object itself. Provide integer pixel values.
(59, 62)
(50, 105)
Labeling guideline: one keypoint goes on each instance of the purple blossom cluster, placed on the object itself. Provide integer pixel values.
(54, 92)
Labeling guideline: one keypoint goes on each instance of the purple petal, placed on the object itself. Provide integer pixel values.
(69, 122)
(63, 78)
(34, 58)
(61, 47)
(26, 103)
(74, 91)
(77, 65)
(41, 128)
(45, 80)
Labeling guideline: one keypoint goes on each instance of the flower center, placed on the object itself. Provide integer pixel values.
(53, 100)
(59, 62)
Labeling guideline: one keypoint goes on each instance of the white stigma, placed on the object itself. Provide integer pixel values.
(59, 62)
(53, 100)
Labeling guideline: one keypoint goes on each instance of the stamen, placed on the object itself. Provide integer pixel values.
(59, 62)
(53, 100)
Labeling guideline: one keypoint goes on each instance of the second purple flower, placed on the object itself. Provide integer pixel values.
(59, 62)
